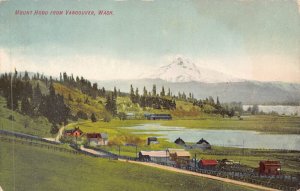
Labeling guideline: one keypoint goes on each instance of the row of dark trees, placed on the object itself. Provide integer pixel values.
(154, 100)
(84, 85)
(218, 108)
(22, 96)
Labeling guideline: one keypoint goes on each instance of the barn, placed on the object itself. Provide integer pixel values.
(208, 164)
(179, 141)
(73, 132)
(97, 138)
(154, 156)
(179, 156)
(269, 167)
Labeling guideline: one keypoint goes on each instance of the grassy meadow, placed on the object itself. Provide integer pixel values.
(24, 167)
(38, 126)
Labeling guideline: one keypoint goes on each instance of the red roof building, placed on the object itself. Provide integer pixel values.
(73, 132)
(208, 163)
(269, 167)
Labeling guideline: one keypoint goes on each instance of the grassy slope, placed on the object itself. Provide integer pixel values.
(95, 106)
(42, 169)
(37, 126)
(185, 114)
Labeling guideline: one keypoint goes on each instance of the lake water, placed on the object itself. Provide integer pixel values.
(227, 138)
(280, 109)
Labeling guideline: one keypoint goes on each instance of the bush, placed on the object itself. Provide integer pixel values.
(82, 115)
(66, 139)
(107, 118)
(54, 129)
(93, 118)
(11, 117)
(122, 115)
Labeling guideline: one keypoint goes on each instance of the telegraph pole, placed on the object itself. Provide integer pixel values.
(195, 161)
(136, 151)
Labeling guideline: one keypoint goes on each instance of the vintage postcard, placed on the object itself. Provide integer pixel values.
(149, 95)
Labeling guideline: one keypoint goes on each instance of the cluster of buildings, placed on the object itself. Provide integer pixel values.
(93, 139)
(201, 144)
(176, 157)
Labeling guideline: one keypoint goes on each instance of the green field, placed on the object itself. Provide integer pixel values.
(262, 123)
(34, 126)
(250, 157)
(31, 168)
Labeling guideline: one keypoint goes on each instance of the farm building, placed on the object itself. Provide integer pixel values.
(208, 164)
(180, 156)
(179, 141)
(269, 167)
(154, 156)
(152, 140)
(202, 144)
(73, 132)
(158, 116)
(97, 138)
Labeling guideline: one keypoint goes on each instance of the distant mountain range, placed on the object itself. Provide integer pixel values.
(183, 70)
(182, 75)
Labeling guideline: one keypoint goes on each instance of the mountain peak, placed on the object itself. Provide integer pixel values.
(184, 70)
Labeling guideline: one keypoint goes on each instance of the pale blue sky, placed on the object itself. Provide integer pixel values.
(245, 38)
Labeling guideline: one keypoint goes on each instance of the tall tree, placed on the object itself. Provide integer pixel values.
(145, 93)
(132, 93)
(162, 93)
(37, 95)
(154, 90)
(115, 92)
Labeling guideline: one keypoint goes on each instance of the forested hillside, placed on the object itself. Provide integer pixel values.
(72, 98)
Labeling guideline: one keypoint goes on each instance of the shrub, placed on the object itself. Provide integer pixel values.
(93, 118)
(82, 115)
(11, 117)
(54, 129)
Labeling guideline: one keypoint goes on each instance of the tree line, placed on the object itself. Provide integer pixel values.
(152, 99)
(24, 97)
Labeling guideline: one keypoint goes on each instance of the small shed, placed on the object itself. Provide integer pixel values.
(269, 167)
(152, 140)
(179, 141)
(208, 163)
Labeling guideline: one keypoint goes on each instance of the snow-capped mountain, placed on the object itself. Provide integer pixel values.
(184, 70)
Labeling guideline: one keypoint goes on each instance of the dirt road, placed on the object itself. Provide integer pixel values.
(59, 134)
(99, 153)
(203, 175)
